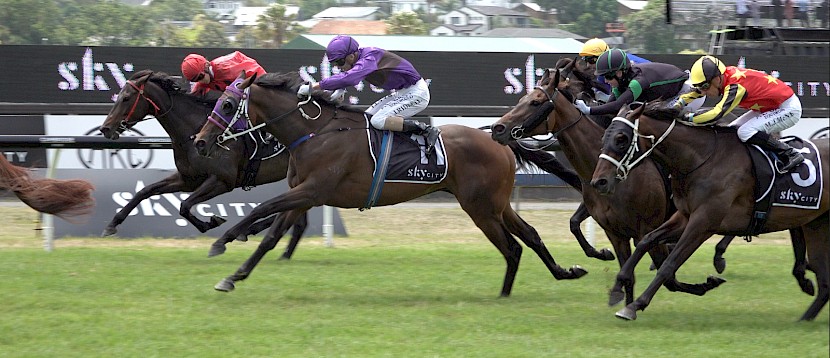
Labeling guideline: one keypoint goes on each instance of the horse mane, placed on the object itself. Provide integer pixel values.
(291, 81)
(176, 85)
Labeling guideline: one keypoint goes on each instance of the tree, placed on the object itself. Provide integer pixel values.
(176, 10)
(29, 21)
(209, 33)
(648, 31)
(274, 28)
(405, 23)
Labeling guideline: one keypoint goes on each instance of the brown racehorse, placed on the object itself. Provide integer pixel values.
(70, 200)
(712, 184)
(331, 165)
(629, 214)
(182, 115)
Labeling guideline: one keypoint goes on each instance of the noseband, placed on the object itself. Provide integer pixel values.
(630, 159)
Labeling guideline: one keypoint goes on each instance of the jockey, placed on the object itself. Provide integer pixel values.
(637, 82)
(772, 105)
(409, 92)
(218, 73)
(589, 54)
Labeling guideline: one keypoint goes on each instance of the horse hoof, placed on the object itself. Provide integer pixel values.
(807, 287)
(720, 265)
(626, 314)
(226, 285)
(242, 238)
(216, 249)
(109, 231)
(606, 255)
(615, 297)
(216, 221)
(714, 281)
(577, 272)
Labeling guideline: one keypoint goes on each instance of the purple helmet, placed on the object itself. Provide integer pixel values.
(340, 47)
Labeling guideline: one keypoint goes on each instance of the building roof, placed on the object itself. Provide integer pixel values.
(532, 32)
(460, 28)
(494, 11)
(351, 27)
(346, 12)
(633, 4)
(447, 43)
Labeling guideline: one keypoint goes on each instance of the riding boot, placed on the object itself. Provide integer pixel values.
(429, 132)
(790, 157)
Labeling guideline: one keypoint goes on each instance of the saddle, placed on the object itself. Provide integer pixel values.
(259, 146)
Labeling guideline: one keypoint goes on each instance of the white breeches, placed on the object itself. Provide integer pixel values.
(772, 121)
(403, 103)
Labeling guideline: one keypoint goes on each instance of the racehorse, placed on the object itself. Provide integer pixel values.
(631, 212)
(331, 164)
(70, 200)
(575, 78)
(712, 185)
(181, 115)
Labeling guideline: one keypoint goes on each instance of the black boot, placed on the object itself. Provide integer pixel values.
(429, 132)
(790, 157)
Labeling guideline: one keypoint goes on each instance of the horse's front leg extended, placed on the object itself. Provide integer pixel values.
(580, 215)
(695, 232)
(209, 189)
(281, 224)
(171, 184)
(671, 228)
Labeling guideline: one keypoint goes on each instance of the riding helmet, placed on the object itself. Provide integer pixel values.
(706, 69)
(192, 65)
(593, 47)
(340, 47)
(612, 61)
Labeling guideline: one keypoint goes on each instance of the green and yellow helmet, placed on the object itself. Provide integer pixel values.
(705, 69)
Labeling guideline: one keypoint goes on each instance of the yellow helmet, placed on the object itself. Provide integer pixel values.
(593, 47)
(705, 69)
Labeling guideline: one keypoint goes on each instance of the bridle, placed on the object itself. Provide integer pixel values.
(125, 124)
(239, 123)
(630, 158)
(541, 115)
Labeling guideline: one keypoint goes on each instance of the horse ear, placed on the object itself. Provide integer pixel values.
(241, 75)
(545, 76)
(248, 81)
(556, 76)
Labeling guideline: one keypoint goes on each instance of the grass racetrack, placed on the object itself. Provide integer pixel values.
(407, 282)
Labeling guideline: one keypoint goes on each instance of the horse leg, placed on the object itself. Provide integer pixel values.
(296, 233)
(672, 284)
(577, 218)
(517, 226)
(171, 184)
(818, 252)
(720, 249)
(676, 223)
(693, 235)
(800, 264)
(622, 247)
(281, 224)
(257, 227)
(490, 224)
(209, 189)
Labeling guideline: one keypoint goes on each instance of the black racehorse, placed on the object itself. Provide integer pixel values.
(181, 115)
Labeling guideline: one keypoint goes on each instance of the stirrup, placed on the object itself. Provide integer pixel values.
(791, 164)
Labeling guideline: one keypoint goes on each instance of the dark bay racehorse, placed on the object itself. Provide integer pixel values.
(712, 183)
(182, 115)
(70, 199)
(577, 80)
(629, 214)
(331, 165)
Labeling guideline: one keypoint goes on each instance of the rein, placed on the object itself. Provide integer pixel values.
(518, 132)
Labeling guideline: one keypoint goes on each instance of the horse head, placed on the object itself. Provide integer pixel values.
(620, 149)
(229, 116)
(133, 103)
(538, 112)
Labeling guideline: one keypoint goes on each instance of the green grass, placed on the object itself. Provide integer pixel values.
(384, 295)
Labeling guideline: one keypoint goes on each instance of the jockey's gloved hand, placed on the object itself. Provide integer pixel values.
(680, 103)
(338, 95)
(304, 90)
(580, 104)
(688, 117)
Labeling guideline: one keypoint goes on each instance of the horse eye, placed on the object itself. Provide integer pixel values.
(620, 140)
(227, 107)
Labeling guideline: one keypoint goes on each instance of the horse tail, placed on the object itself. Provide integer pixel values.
(547, 162)
(70, 200)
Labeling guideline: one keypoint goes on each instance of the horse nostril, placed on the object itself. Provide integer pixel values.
(498, 128)
(199, 144)
(599, 183)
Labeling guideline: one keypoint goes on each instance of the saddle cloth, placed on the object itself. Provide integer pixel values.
(405, 160)
(800, 188)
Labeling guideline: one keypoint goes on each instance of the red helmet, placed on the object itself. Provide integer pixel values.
(193, 65)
